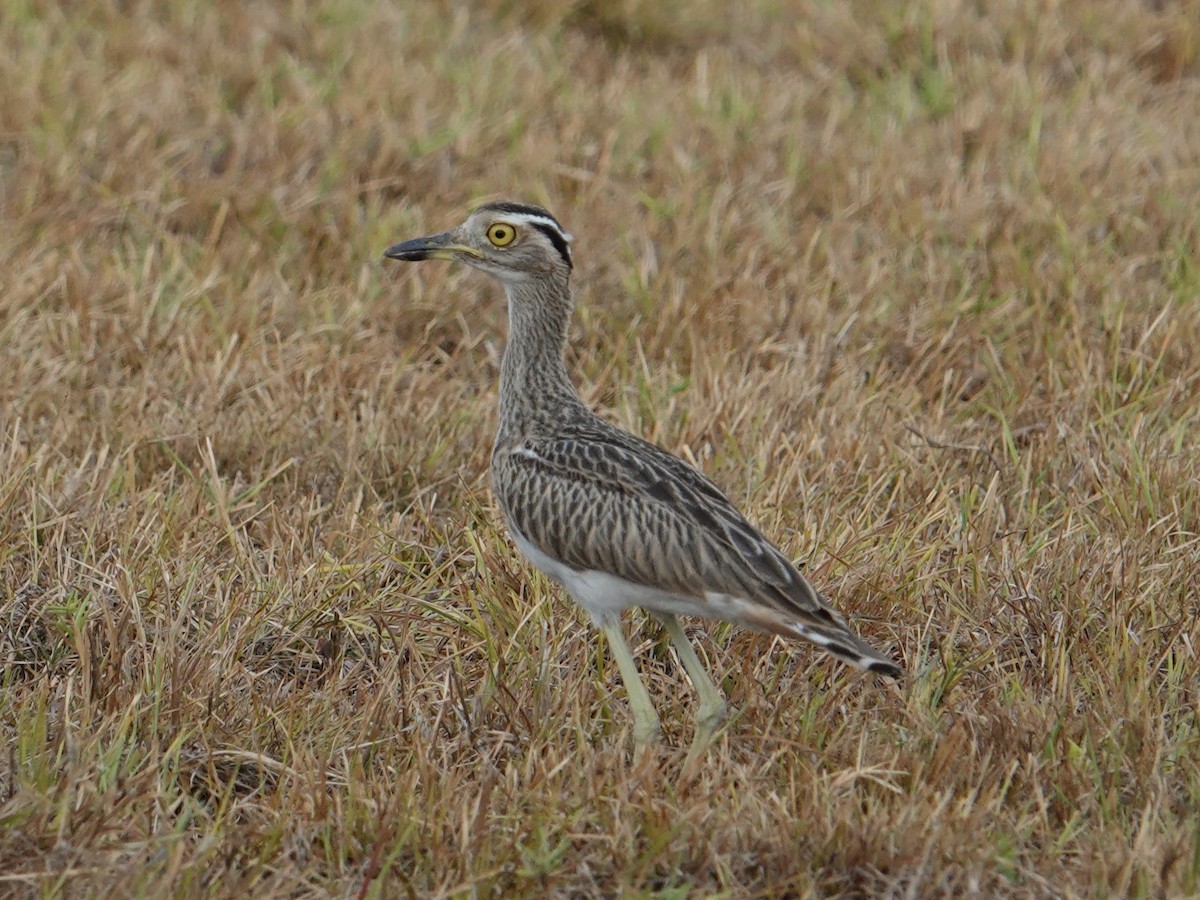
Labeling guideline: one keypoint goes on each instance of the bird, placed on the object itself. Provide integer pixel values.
(618, 521)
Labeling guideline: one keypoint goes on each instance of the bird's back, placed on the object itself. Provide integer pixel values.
(594, 499)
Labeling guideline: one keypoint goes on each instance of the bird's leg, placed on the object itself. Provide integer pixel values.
(645, 719)
(712, 704)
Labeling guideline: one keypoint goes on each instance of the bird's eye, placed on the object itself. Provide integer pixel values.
(501, 234)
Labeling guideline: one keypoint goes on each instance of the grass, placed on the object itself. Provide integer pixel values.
(916, 282)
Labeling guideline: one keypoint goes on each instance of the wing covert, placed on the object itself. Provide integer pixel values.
(675, 528)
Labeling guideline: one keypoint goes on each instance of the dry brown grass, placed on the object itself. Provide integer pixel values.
(919, 283)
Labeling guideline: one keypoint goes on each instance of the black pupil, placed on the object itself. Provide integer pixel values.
(501, 233)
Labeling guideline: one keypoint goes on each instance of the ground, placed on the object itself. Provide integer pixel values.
(917, 283)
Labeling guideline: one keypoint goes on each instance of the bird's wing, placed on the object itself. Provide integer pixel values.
(641, 514)
(648, 517)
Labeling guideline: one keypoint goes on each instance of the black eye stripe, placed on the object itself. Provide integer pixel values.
(556, 238)
(548, 225)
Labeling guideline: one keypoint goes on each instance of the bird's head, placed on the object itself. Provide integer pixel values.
(512, 242)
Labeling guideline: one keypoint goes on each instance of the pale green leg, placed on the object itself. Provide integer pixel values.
(712, 704)
(645, 719)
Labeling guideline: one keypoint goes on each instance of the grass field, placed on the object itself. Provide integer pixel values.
(918, 283)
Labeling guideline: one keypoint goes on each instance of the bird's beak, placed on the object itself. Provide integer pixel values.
(436, 246)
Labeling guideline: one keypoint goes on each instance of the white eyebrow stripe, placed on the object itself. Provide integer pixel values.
(529, 219)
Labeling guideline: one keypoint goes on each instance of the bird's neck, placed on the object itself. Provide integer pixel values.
(535, 389)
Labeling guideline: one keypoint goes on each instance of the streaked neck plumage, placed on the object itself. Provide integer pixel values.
(535, 390)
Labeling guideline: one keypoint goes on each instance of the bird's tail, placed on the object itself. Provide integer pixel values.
(820, 624)
(847, 647)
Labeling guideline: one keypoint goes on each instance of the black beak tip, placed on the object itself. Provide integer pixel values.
(409, 251)
(419, 248)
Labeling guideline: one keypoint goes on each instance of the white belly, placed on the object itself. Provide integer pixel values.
(604, 596)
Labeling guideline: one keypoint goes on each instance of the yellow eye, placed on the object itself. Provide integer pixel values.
(501, 234)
